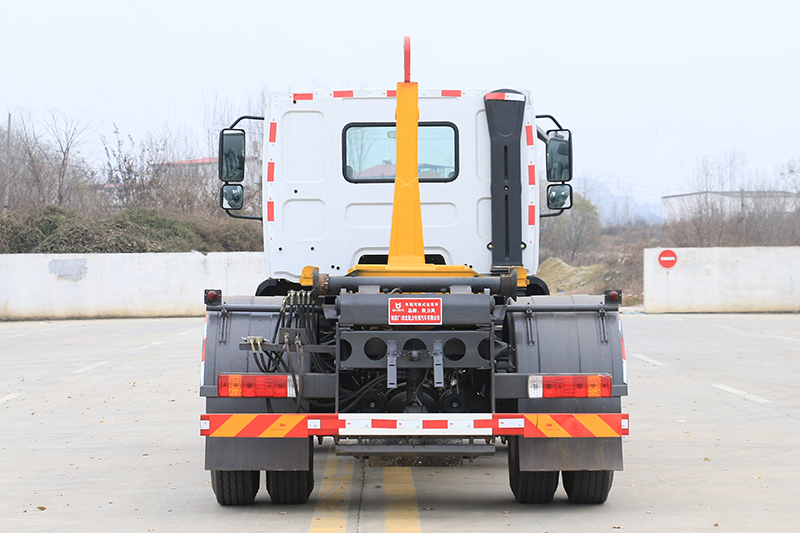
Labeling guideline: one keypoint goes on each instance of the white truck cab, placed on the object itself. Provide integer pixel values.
(329, 168)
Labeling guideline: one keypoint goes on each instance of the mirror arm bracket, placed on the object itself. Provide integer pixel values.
(246, 217)
(248, 117)
(551, 213)
(541, 134)
(551, 117)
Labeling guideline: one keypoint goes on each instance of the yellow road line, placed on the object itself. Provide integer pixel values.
(402, 513)
(330, 513)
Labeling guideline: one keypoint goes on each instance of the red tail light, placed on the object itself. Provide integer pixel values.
(577, 386)
(255, 386)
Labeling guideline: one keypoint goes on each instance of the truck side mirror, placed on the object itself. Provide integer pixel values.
(231, 197)
(559, 196)
(231, 155)
(559, 155)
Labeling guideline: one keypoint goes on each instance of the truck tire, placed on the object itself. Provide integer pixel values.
(587, 486)
(235, 487)
(529, 487)
(290, 487)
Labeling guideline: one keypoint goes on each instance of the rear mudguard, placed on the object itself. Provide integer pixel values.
(559, 340)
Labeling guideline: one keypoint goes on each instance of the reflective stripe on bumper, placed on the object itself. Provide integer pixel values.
(554, 425)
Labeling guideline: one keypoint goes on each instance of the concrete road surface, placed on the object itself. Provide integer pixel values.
(100, 432)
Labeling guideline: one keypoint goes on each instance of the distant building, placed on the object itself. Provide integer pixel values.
(729, 203)
(207, 168)
(425, 170)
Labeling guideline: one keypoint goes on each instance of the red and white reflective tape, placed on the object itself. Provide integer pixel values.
(505, 96)
(529, 138)
(555, 425)
(317, 95)
(415, 424)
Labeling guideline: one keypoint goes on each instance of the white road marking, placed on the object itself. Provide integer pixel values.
(10, 396)
(153, 344)
(17, 335)
(90, 367)
(786, 338)
(722, 327)
(645, 359)
(745, 395)
(193, 330)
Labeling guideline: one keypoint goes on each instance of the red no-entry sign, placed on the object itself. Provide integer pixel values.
(667, 258)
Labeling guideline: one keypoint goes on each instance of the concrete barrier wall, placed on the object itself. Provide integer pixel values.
(41, 286)
(45, 286)
(722, 280)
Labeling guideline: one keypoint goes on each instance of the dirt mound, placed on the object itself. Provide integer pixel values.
(563, 278)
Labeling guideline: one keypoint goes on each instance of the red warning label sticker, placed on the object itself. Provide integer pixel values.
(415, 311)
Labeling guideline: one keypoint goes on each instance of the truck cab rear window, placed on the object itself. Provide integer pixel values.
(369, 152)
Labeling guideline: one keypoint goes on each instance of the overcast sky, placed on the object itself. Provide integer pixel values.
(648, 88)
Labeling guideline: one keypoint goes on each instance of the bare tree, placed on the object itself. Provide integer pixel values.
(6, 183)
(731, 207)
(33, 159)
(360, 141)
(703, 220)
(43, 165)
(133, 170)
(68, 135)
(164, 173)
(790, 174)
(185, 183)
(573, 234)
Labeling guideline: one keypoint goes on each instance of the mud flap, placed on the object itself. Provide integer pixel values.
(570, 454)
(257, 454)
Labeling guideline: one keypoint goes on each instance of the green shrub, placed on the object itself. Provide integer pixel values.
(17, 237)
(57, 230)
(49, 218)
(172, 234)
(91, 237)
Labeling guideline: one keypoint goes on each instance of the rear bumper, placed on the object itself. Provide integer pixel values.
(554, 425)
